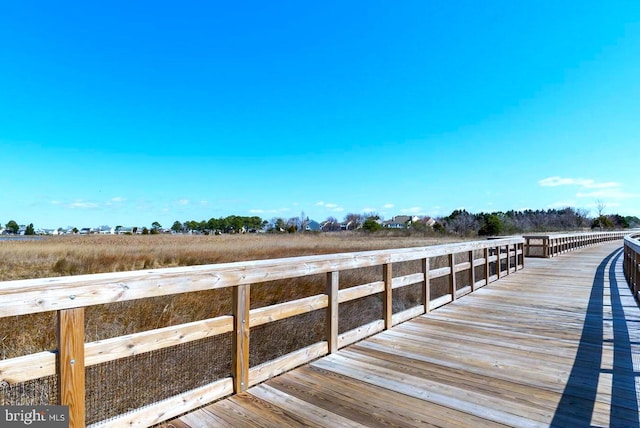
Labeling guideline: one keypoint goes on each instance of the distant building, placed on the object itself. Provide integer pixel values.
(399, 221)
(312, 226)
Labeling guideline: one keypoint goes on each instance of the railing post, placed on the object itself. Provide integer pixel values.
(472, 272)
(71, 386)
(487, 270)
(452, 279)
(241, 304)
(387, 274)
(426, 291)
(636, 268)
(332, 311)
(545, 247)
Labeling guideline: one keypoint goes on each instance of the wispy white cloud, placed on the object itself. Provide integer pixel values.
(562, 204)
(77, 204)
(387, 206)
(614, 193)
(182, 202)
(84, 205)
(580, 182)
(588, 188)
(329, 206)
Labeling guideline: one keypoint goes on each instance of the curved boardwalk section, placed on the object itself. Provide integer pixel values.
(557, 344)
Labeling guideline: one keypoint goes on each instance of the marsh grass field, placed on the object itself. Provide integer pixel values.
(76, 255)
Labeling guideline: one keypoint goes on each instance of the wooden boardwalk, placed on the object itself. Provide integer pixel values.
(557, 344)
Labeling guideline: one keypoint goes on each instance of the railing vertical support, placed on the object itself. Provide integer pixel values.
(636, 269)
(472, 272)
(487, 270)
(332, 311)
(426, 291)
(241, 305)
(452, 278)
(545, 247)
(387, 277)
(71, 385)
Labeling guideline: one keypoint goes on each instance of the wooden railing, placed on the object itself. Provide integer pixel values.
(468, 266)
(631, 264)
(556, 244)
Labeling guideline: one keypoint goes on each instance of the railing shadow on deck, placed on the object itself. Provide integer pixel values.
(581, 392)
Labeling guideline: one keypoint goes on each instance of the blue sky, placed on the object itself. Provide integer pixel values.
(126, 113)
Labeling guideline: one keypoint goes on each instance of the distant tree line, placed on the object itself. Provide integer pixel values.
(229, 224)
(463, 223)
(459, 222)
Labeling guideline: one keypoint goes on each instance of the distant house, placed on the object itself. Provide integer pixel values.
(125, 230)
(348, 225)
(85, 231)
(312, 226)
(105, 230)
(428, 221)
(46, 232)
(399, 221)
(22, 230)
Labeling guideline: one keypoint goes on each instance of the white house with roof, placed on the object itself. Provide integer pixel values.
(400, 221)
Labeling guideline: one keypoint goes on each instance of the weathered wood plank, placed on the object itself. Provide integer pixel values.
(288, 309)
(241, 314)
(71, 364)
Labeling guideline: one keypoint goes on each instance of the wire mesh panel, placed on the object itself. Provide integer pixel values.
(42, 391)
(439, 287)
(407, 297)
(27, 334)
(353, 277)
(119, 386)
(493, 265)
(278, 338)
(411, 295)
(358, 312)
(535, 247)
(463, 278)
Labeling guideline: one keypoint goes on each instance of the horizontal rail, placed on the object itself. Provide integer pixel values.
(631, 265)
(493, 258)
(556, 244)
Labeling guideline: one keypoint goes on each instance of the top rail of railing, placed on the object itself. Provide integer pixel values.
(633, 241)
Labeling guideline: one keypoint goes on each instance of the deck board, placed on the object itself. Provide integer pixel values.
(557, 344)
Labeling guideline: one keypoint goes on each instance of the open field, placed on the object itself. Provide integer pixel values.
(75, 255)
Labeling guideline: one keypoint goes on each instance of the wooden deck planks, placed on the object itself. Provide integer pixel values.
(555, 334)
